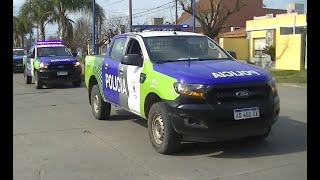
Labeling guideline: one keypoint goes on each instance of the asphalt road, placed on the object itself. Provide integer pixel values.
(55, 136)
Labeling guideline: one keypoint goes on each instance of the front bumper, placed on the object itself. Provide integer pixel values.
(203, 121)
(51, 75)
(17, 65)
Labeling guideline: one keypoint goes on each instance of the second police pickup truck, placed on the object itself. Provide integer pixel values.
(49, 61)
(185, 85)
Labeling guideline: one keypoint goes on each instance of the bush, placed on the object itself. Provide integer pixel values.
(271, 51)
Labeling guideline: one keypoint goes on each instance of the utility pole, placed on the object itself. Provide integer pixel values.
(130, 15)
(94, 27)
(30, 43)
(176, 12)
(193, 15)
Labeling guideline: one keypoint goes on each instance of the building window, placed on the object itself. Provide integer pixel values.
(259, 45)
(289, 30)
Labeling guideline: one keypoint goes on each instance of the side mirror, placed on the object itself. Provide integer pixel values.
(233, 54)
(30, 56)
(131, 59)
(74, 54)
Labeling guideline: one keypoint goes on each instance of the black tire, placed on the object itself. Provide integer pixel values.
(37, 81)
(76, 83)
(169, 141)
(100, 108)
(28, 79)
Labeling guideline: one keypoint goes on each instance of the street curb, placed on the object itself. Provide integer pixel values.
(293, 84)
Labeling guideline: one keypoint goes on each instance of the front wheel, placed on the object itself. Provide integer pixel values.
(163, 137)
(38, 83)
(100, 108)
(28, 79)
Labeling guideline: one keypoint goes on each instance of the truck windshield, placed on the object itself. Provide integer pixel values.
(53, 51)
(182, 48)
(18, 52)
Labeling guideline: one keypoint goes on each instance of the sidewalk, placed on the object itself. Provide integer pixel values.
(293, 84)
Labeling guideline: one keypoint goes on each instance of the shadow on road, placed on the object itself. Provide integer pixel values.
(122, 115)
(62, 86)
(287, 136)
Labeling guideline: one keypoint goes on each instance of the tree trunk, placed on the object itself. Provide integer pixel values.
(22, 40)
(42, 33)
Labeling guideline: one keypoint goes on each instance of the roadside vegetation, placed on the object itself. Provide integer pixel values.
(290, 76)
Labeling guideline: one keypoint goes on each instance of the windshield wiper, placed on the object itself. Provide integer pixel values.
(188, 59)
(159, 62)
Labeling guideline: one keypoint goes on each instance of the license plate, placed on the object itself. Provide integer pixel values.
(246, 113)
(62, 73)
(18, 64)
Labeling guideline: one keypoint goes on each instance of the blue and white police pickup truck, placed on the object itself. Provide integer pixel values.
(185, 85)
(49, 61)
(17, 54)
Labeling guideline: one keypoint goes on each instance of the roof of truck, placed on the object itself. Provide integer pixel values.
(165, 33)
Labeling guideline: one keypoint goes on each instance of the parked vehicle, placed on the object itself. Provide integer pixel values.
(17, 54)
(51, 62)
(185, 85)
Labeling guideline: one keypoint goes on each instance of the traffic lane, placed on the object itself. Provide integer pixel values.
(127, 134)
(52, 140)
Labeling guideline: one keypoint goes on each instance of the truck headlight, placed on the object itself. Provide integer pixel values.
(273, 85)
(44, 65)
(195, 90)
(77, 64)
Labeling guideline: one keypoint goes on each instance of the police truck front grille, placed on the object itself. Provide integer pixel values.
(228, 93)
(60, 67)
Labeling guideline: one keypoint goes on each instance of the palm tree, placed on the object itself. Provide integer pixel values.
(61, 7)
(39, 12)
(21, 27)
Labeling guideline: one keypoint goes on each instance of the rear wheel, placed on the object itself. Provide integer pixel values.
(37, 82)
(163, 137)
(100, 108)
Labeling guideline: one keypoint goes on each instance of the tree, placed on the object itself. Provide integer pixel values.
(39, 12)
(21, 27)
(82, 32)
(61, 7)
(212, 16)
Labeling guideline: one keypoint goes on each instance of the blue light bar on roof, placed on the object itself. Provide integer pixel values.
(166, 26)
(45, 42)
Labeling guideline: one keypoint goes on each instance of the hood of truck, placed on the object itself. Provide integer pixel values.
(210, 72)
(57, 59)
(16, 58)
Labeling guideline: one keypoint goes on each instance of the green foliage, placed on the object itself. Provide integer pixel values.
(290, 76)
(271, 51)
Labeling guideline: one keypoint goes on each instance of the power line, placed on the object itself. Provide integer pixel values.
(154, 8)
(135, 16)
(113, 3)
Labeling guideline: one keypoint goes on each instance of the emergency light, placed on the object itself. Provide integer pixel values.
(165, 26)
(45, 42)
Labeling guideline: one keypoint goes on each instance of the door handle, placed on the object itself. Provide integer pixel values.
(121, 71)
(106, 66)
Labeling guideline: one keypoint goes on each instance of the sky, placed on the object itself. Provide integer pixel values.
(154, 8)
